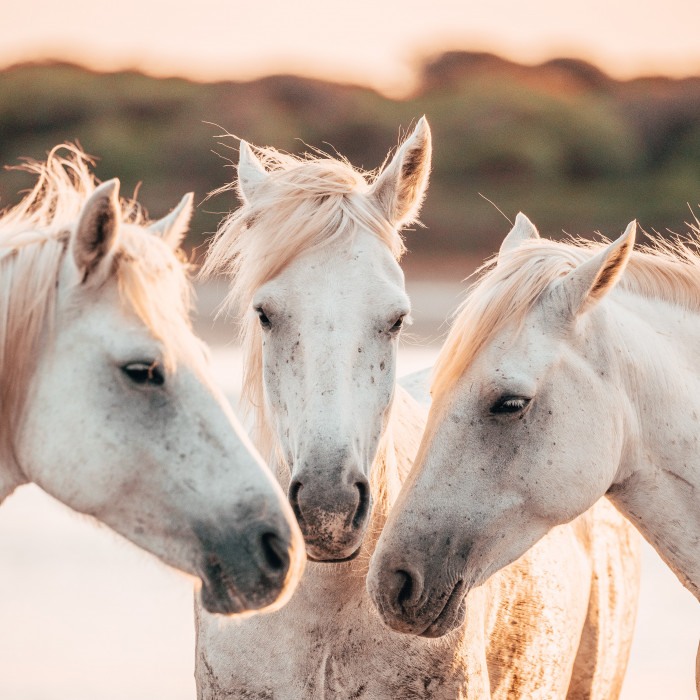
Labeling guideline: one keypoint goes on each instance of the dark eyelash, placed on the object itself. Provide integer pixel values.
(510, 404)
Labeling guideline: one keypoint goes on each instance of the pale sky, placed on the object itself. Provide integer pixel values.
(371, 42)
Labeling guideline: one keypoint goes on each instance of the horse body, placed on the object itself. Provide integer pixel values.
(106, 398)
(321, 338)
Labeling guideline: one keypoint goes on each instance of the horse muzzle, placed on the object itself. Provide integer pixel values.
(247, 570)
(406, 605)
(333, 521)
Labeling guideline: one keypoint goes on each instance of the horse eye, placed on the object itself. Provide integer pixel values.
(510, 404)
(398, 324)
(145, 373)
(264, 320)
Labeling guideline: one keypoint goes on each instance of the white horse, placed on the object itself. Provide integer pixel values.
(312, 255)
(106, 398)
(571, 373)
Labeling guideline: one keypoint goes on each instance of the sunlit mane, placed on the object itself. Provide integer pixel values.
(303, 204)
(505, 293)
(34, 237)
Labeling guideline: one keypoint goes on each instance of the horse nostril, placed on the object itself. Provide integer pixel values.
(362, 505)
(275, 552)
(294, 489)
(406, 586)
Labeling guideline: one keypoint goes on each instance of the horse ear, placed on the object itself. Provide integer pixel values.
(588, 283)
(400, 187)
(523, 230)
(251, 172)
(97, 228)
(173, 227)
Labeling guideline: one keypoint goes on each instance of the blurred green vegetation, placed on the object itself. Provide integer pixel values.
(573, 148)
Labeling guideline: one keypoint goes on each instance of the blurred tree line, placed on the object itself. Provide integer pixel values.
(573, 148)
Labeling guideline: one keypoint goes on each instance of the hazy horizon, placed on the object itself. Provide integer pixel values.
(378, 44)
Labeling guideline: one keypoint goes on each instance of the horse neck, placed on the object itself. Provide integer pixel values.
(657, 352)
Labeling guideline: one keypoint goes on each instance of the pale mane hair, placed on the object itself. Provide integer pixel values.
(394, 460)
(303, 203)
(506, 292)
(34, 238)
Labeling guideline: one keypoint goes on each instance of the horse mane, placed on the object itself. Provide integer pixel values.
(506, 292)
(34, 237)
(304, 203)
(396, 453)
(403, 435)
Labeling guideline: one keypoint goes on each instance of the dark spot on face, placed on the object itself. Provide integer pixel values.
(382, 365)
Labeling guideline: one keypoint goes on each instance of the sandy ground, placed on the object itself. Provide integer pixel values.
(84, 615)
